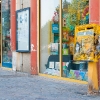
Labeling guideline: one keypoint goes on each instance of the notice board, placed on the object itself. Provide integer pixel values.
(23, 30)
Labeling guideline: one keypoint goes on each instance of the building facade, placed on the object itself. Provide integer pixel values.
(44, 44)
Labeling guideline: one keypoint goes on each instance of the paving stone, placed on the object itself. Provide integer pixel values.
(22, 86)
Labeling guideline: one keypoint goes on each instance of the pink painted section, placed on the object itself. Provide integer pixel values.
(13, 24)
(33, 31)
(94, 11)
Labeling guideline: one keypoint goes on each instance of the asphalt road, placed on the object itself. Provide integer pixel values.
(22, 86)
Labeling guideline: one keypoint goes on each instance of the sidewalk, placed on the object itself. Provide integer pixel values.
(22, 86)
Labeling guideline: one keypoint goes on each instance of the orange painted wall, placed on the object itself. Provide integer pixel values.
(94, 11)
(13, 24)
(33, 31)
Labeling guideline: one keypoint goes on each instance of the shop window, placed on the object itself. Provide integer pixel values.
(6, 48)
(74, 12)
(49, 37)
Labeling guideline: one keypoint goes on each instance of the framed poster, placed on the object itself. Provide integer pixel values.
(23, 30)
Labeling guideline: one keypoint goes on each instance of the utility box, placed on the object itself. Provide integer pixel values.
(87, 48)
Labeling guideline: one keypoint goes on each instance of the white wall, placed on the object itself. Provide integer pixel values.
(21, 61)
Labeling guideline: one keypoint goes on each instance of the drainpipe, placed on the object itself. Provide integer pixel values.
(21, 54)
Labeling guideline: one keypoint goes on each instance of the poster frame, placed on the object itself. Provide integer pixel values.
(21, 11)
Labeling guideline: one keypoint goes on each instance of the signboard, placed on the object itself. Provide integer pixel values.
(55, 28)
(23, 30)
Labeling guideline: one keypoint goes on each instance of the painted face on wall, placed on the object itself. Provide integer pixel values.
(98, 46)
(77, 47)
(99, 39)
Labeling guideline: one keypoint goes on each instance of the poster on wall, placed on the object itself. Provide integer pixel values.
(84, 46)
(23, 30)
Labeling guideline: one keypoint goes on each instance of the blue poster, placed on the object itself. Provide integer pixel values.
(55, 28)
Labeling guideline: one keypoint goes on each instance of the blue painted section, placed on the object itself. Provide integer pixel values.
(7, 65)
(55, 28)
